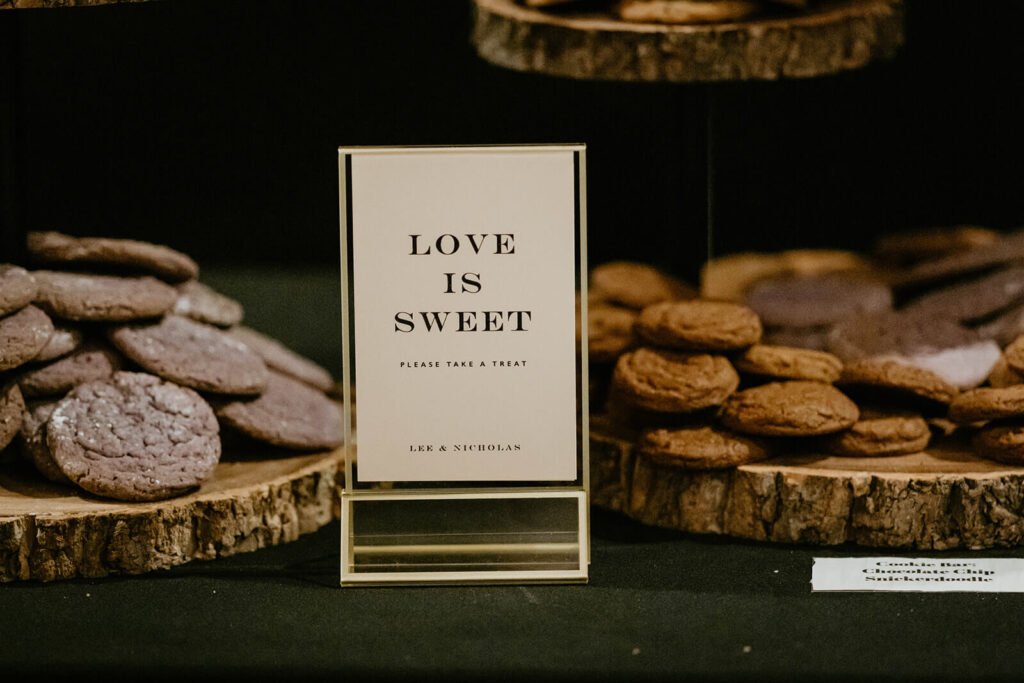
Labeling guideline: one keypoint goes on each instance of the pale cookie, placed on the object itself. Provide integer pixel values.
(134, 437)
(202, 303)
(813, 300)
(289, 414)
(1014, 354)
(786, 362)
(63, 341)
(684, 11)
(12, 409)
(133, 255)
(610, 332)
(987, 403)
(1002, 375)
(193, 354)
(1001, 441)
(279, 357)
(794, 408)
(89, 363)
(699, 325)
(33, 441)
(905, 380)
(973, 300)
(920, 245)
(672, 382)
(700, 448)
(17, 288)
(636, 285)
(22, 336)
(879, 436)
(105, 298)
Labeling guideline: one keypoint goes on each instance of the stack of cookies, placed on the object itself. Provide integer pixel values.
(682, 11)
(118, 369)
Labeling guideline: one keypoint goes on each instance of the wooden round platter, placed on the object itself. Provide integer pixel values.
(49, 531)
(830, 37)
(939, 499)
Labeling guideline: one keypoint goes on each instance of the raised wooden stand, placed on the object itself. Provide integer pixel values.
(937, 500)
(52, 532)
(834, 36)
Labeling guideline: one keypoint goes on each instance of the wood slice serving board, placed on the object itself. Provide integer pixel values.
(48, 531)
(832, 36)
(940, 499)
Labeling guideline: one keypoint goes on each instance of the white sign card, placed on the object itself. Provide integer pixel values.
(918, 574)
(463, 275)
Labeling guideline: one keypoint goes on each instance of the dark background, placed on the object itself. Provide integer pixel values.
(212, 125)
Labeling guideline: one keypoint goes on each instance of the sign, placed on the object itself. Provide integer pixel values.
(918, 574)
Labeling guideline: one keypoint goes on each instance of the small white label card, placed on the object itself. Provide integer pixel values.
(918, 574)
(463, 265)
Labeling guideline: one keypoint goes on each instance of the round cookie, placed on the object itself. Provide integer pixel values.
(134, 437)
(89, 363)
(22, 336)
(636, 285)
(795, 408)
(880, 436)
(671, 382)
(610, 332)
(105, 298)
(164, 262)
(786, 362)
(193, 354)
(17, 288)
(289, 414)
(905, 380)
(684, 11)
(1014, 354)
(279, 357)
(33, 441)
(1001, 441)
(1002, 375)
(974, 300)
(699, 325)
(700, 448)
(987, 403)
(814, 300)
(12, 409)
(63, 341)
(728, 277)
(200, 302)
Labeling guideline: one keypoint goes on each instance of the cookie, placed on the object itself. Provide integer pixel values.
(1002, 375)
(63, 341)
(107, 298)
(728, 277)
(89, 363)
(289, 414)
(699, 325)
(1005, 327)
(683, 11)
(1002, 441)
(1007, 248)
(955, 353)
(279, 357)
(672, 382)
(17, 288)
(636, 285)
(796, 408)
(814, 338)
(814, 300)
(33, 441)
(987, 403)
(786, 362)
(22, 336)
(973, 300)
(193, 354)
(913, 246)
(132, 255)
(700, 448)
(1014, 354)
(610, 332)
(896, 378)
(881, 435)
(134, 437)
(202, 303)
(12, 409)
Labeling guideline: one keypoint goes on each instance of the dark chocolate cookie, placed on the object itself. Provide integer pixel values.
(194, 355)
(814, 300)
(1007, 249)
(279, 357)
(17, 288)
(22, 336)
(63, 341)
(12, 409)
(134, 437)
(200, 302)
(81, 296)
(289, 413)
(33, 441)
(974, 300)
(132, 255)
(59, 377)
